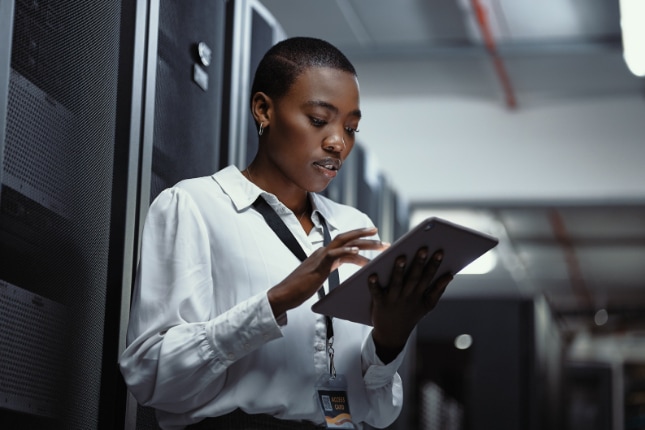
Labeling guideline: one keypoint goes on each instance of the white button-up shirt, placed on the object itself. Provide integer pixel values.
(202, 339)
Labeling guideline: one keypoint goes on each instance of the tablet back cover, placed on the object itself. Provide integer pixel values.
(351, 300)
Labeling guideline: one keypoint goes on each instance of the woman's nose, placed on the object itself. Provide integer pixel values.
(334, 143)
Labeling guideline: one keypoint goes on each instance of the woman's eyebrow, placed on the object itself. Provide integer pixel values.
(331, 107)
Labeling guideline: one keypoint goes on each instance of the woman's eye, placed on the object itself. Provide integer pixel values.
(317, 122)
(351, 130)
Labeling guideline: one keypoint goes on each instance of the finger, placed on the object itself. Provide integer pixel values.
(369, 244)
(343, 238)
(347, 254)
(429, 272)
(413, 283)
(356, 259)
(342, 251)
(375, 289)
(397, 276)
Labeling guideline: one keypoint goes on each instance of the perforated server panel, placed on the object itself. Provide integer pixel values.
(188, 91)
(63, 172)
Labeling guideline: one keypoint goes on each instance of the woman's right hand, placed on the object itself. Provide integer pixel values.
(310, 275)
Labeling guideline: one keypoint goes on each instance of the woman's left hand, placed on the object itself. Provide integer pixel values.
(410, 295)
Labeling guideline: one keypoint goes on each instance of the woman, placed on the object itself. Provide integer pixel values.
(221, 331)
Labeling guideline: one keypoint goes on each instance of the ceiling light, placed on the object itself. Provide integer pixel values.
(601, 317)
(483, 264)
(463, 341)
(632, 23)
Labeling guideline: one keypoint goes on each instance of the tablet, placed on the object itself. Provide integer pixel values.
(351, 300)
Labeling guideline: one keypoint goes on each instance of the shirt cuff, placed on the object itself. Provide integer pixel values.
(243, 328)
(377, 374)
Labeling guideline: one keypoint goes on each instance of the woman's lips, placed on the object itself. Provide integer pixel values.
(329, 166)
(329, 163)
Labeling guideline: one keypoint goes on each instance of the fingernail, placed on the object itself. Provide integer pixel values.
(372, 279)
(400, 263)
(438, 256)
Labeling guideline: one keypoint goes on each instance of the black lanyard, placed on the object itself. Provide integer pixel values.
(282, 231)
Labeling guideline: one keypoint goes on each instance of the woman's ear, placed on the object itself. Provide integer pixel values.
(261, 109)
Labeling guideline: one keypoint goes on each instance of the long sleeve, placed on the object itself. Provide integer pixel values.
(383, 386)
(178, 349)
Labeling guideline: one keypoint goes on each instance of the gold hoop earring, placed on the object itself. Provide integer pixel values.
(261, 130)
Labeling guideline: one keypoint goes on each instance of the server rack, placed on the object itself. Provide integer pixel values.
(68, 73)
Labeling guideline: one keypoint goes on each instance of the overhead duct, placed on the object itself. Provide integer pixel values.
(483, 23)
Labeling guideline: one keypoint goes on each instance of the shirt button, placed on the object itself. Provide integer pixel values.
(247, 346)
(320, 347)
(231, 356)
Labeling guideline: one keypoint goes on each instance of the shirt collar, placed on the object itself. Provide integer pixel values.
(243, 193)
(323, 205)
(240, 190)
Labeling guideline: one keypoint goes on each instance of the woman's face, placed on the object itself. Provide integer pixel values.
(312, 127)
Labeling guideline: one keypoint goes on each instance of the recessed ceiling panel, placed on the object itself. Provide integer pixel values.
(418, 22)
(613, 224)
(322, 19)
(526, 223)
(552, 20)
(613, 265)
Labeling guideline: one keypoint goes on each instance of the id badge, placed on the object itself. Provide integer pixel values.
(333, 401)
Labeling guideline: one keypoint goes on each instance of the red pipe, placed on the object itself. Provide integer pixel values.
(480, 13)
(578, 283)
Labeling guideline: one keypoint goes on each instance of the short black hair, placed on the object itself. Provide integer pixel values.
(286, 60)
